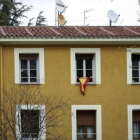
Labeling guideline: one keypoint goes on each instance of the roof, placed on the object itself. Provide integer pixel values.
(69, 32)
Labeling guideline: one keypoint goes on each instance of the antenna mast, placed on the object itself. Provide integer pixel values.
(85, 15)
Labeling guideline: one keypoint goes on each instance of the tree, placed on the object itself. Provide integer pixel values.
(40, 19)
(11, 12)
(37, 114)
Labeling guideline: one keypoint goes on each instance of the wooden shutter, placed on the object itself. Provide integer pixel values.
(86, 117)
(28, 56)
(136, 116)
(84, 56)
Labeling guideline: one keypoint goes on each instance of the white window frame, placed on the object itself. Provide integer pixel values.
(130, 109)
(97, 62)
(30, 107)
(41, 67)
(97, 108)
(84, 70)
(28, 72)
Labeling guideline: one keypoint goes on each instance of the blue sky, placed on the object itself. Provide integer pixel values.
(74, 14)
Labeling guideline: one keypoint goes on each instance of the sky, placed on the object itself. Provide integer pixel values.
(74, 14)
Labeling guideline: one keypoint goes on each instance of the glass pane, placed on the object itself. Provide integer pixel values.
(33, 73)
(135, 79)
(89, 64)
(24, 79)
(80, 131)
(33, 79)
(79, 74)
(135, 64)
(88, 74)
(135, 130)
(24, 73)
(23, 64)
(32, 64)
(79, 64)
(89, 132)
(135, 73)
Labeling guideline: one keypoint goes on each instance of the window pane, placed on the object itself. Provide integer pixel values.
(32, 64)
(33, 79)
(24, 73)
(24, 79)
(30, 122)
(135, 64)
(135, 130)
(89, 64)
(79, 74)
(23, 64)
(135, 73)
(89, 132)
(80, 131)
(79, 64)
(135, 79)
(33, 73)
(88, 74)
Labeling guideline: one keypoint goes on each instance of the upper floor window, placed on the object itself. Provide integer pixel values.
(85, 66)
(29, 68)
(85, 62)
(135, 68)
(29, 65)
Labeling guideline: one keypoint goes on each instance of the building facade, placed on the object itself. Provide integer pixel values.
(53, 58)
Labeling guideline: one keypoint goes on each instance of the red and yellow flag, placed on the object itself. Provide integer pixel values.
(83, 82)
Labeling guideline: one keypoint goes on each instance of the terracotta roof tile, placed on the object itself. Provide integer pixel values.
(70, 31)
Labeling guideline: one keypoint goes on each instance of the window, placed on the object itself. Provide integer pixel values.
(135, 68)
(136, 124)
(86, 124)
(85, 66)
(30, 122)
(29, 68)
(85, 62)
(29, 65)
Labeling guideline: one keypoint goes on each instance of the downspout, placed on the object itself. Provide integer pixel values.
(1, 80)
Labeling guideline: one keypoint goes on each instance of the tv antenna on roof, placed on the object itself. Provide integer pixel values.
(59, 9)
(113, 17)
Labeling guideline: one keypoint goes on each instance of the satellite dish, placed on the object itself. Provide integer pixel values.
(61, 19)
(112, 16)
(60, 6)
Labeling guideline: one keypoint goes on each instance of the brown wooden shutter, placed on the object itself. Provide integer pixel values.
(84, 56)
(28, 56)
(136, 116)
(85, 117)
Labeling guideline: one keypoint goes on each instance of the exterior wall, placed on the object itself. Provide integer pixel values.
(113, 94)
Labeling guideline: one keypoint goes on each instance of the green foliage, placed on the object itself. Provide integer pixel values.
(40, 19)
(11, 12)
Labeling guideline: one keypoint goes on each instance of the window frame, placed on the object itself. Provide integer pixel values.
(130, 109)
(84, 70)
(97, 59)
(41, 68)
(129, 52)
(30, 107)
(28, 71)
(97, 108)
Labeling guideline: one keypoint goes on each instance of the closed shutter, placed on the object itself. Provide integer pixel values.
(85, 118)
(28, 56)
(84, 56)
(136, 116)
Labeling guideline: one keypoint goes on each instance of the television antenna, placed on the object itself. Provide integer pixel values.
(85, 15)
(113, 17)
(59, 9)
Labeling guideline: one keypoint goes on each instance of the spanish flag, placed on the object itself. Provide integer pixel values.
(83, 82)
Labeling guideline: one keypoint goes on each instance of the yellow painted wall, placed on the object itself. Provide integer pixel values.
(114, 94)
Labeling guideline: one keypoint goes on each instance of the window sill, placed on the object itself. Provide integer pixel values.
(29, 83)
(135, 83)
(86, 84)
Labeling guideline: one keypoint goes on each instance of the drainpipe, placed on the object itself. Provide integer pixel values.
(1, 80)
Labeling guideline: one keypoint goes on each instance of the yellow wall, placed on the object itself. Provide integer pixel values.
(114, 94)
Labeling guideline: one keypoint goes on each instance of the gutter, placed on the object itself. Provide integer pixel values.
(56, 41)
